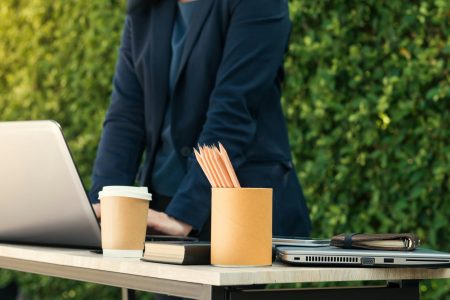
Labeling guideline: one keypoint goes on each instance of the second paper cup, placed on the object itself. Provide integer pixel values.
(241, 227)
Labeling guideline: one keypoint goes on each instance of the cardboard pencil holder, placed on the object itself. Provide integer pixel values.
(241, 227)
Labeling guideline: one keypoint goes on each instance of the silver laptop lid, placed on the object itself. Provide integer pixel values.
(355, 257)
(42, 199)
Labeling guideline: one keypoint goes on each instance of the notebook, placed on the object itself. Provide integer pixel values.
(178, 252)
(333, 256)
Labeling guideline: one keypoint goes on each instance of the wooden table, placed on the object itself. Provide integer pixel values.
(207, 282)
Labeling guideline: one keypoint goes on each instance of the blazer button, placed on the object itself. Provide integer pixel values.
(185, 151)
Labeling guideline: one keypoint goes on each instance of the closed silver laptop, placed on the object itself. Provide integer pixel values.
(42, 199)
(333, 256)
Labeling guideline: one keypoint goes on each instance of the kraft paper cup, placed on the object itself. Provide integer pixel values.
(124, 220)
(241, 227)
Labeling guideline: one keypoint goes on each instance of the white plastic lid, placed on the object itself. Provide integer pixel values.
(125, 191)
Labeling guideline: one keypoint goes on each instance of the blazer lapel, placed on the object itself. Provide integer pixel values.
(194, 30)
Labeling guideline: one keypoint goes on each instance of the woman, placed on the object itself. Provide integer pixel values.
(200, 72)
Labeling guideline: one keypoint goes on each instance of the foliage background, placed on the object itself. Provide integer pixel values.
(366, 98)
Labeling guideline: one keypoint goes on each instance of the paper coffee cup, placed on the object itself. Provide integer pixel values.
(124, 220)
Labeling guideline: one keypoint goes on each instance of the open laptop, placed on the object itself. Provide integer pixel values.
(333, 256)
(42, 199)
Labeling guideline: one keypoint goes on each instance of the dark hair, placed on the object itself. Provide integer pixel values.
(136, 5)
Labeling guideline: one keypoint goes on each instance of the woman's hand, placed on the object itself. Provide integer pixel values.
(163, 223)
(96, 208)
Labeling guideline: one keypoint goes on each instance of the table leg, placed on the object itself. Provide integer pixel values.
(128, 294)
(215, 293)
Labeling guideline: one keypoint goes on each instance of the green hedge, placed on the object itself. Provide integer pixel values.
(366, 98)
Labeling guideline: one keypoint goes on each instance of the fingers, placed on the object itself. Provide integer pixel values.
(97, 210)
(166, 224)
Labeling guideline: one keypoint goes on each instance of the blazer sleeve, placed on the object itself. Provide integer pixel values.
(123, 137)
(253, 53)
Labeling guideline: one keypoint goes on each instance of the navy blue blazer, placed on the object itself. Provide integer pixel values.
(227, 89)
